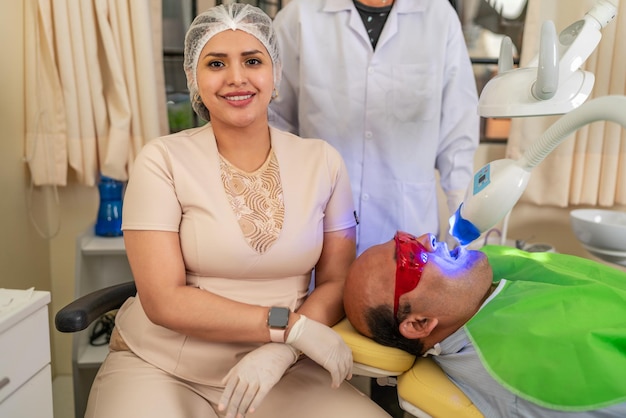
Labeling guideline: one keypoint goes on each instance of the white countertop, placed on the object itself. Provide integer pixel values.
(16, 305)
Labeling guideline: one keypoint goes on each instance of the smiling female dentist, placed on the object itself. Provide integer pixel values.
(390, 85)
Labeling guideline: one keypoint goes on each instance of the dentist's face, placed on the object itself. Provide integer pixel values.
(235, 78)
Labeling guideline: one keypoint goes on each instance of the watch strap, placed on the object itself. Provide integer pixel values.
(277, 335)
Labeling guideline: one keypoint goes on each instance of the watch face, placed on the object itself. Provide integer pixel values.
(278, 317)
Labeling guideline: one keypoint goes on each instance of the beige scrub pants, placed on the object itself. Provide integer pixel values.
(128, 387)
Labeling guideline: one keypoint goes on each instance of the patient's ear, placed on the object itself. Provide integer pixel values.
(414, 326)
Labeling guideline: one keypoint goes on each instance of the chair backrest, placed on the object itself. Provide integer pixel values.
(424, 390)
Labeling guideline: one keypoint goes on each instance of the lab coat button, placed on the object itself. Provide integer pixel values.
(368, 135)
(366, 196)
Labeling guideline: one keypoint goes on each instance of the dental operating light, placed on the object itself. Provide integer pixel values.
(553, 83)
(498, 185)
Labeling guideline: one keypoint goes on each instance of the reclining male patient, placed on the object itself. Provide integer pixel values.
(521, 334)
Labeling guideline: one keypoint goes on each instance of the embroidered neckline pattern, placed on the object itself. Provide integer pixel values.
(257, 200)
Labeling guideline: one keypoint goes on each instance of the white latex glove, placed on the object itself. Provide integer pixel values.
(324, 346)
(251, 379)
(454, 198)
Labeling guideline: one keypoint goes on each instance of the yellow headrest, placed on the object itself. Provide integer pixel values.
(368, 352)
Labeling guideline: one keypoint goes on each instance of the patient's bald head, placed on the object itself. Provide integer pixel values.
(369, 284)
(412, 292)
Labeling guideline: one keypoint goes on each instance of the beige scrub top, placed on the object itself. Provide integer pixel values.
(176, 185)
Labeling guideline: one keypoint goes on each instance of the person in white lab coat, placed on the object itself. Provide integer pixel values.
(390, 85)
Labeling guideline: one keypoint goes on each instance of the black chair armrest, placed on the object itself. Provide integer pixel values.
(77, 315)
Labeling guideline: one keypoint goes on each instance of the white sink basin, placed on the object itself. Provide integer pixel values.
(602, 232)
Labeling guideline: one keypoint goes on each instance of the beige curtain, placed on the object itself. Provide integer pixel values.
(588, 168)
(95, 91)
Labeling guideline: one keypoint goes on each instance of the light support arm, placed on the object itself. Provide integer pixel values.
(498, 185)
(607, 108)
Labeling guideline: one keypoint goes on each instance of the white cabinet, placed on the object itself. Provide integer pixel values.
(100, 262)
(25, 377)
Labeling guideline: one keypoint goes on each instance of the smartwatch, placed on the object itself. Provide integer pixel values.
(277, 320)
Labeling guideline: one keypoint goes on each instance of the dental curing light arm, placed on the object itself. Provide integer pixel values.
(498, 185)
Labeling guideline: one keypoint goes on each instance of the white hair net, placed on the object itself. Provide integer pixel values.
(234, 16)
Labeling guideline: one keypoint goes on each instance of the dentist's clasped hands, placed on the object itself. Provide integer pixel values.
(324, 346)
(251, 379)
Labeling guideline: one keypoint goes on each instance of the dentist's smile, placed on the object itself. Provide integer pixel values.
(238, 98)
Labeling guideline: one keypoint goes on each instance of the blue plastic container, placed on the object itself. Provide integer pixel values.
(109, 222)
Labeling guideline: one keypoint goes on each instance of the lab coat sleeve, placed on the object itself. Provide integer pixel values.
(459, 117)
(454, 198)
(283, 110)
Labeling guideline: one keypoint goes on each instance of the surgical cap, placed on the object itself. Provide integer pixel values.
(234, 16)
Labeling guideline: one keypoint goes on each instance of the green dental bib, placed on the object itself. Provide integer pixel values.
(555, 334)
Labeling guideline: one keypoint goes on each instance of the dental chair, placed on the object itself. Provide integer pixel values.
(424, 390)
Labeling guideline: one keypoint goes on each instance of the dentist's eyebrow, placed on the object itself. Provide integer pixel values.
(223, 54)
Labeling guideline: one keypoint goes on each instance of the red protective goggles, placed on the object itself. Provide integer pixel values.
(411, 257)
